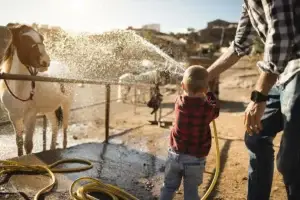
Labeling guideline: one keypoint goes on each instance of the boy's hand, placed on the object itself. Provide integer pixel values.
(211, 97)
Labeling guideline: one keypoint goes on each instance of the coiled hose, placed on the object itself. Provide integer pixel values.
(93, 185)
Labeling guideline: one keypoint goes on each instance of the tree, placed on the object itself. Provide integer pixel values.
(147, 35)
(191, 30)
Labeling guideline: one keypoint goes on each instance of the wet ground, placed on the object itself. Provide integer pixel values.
(84, 123)
(113, 164)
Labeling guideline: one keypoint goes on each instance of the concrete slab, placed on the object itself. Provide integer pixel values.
(119, 165)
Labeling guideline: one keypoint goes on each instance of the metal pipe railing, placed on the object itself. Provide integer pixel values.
(83, 81)
(21, 77)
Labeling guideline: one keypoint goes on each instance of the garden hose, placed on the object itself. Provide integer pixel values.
(217, 171)
(9, 167)
(82, 193)
(93, 185)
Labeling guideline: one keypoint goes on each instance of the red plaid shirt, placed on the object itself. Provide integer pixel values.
(191, 133)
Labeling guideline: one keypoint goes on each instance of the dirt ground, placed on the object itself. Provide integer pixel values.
(132, 129)
(235, 88)
(236, 85)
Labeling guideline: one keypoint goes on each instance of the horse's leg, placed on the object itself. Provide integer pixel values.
(19, 128)
(144, 96)
(120, 97)
(54, 126)
(65, 123)
(127, 90)
(29, 123)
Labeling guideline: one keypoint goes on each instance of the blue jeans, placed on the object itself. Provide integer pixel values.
(282, 113)
(188, 167)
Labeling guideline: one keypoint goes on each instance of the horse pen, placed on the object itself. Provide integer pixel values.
(123, 170)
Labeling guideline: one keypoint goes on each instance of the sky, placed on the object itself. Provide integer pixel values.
(104, 15)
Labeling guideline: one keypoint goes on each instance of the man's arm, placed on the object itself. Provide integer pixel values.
(279, 42)
(225, 61)
(240, 46)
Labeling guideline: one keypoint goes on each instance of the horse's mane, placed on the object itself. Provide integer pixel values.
(6, 62)
(7, 58)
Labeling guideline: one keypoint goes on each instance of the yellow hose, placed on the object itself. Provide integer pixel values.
(9, 166)
(217, 172)
(93, 185)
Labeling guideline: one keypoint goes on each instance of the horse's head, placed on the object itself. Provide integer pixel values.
(30, 47)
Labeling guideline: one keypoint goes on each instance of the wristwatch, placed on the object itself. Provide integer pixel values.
(257, 97)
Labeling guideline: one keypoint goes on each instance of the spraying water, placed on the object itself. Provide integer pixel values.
(107, 56)
(102, 57)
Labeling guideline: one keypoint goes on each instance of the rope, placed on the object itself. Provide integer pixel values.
(93, 185)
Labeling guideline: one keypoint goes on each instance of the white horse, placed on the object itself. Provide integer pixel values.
(23, 100)
(150, 77)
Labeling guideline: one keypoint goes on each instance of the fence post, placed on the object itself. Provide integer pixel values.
(160, 112)
(134, 99)
(155, 117)
(44, 133)
(107, 108)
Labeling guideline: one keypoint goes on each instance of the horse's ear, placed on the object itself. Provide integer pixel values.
(15, 29)
(10, 25)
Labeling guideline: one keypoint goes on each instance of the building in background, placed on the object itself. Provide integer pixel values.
(155, 27)
(218, 23)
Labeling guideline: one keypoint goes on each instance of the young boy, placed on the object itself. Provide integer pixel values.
(190, 138)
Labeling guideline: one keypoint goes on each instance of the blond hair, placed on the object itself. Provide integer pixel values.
(195, 78)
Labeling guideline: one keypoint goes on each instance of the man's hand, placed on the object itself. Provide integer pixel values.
(255, 111)
(253, 115)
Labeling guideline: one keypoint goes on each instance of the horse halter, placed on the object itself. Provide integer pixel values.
(33, 72)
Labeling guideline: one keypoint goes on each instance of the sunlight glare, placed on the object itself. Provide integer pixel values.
(77, 5)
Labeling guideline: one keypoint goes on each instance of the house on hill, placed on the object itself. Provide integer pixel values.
(218, 32)
(218, 23)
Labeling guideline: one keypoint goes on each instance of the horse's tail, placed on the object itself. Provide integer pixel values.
(59, 116)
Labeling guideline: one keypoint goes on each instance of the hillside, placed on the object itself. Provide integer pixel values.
(179, 45)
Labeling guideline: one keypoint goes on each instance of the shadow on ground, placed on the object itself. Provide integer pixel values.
(223, 160)
(232, 106)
